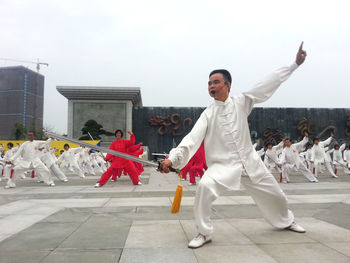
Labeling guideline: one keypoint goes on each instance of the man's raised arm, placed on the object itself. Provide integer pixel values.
(267, 87)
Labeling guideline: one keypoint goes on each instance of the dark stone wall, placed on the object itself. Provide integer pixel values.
(284, 119)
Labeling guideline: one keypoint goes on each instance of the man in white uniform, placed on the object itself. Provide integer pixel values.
(228, 149)
(69, 157)
(290, 159)
(30, 161)
(338, 158)
(319, 156)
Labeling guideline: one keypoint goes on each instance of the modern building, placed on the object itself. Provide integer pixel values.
(21, 99)
(110, 107)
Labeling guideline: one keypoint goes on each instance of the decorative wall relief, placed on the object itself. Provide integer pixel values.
(166, 121)
(272, 135)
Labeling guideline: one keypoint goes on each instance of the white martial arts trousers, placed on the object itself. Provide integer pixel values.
(267, 194)
(55, 170)
(327, 165)
(41, 171)
(288, 168)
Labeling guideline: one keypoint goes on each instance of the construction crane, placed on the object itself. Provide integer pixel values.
(38, 63)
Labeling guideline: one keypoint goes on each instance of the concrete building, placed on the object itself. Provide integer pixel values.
(21, 99)
(110, 107)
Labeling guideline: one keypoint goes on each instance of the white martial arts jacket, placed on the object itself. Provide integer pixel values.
(318, 153)
(69, 156)
(338, 155)
(290, 154)
(224, 128)
(271, 156)
(30, 152)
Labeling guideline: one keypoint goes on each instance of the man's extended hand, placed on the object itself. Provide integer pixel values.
(165, 165)
(130, 133)
(301, 55)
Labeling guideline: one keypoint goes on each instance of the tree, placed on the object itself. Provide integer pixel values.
(95, 129)
(19, 131)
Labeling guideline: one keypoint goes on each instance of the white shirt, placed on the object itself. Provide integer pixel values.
(318, 151)
(271, 155)
(30, 152)
(337, 154)
(224, 128)
(69, 156)
(290, 155)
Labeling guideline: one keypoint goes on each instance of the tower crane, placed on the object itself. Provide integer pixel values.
(38, 63)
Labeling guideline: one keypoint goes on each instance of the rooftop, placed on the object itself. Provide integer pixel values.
(101, 93)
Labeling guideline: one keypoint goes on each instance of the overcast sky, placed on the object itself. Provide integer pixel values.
(167, 48)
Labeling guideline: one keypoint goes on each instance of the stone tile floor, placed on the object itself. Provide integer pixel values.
(119, 222)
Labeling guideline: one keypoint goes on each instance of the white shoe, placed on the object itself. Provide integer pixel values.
(334, 176)
(139, 183)
(39, 181)
(285, 182)
(183, 179)
(113, 180)
(296, 228)
(65, 180)
(314, 181)
(199, 241)
(52, 185)
(97, 185)
(8, 187)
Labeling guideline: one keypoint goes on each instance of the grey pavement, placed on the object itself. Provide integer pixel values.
(120, 222)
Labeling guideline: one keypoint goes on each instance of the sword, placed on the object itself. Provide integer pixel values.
(112, 152)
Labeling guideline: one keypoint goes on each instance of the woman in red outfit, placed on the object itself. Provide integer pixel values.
(122, 146)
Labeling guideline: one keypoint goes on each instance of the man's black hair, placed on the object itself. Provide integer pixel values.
(336, 145)
(10, 144)
(316, 139)
(224, 72)
(268, 143)
(119, 131)
(66, 145)
(287, 139)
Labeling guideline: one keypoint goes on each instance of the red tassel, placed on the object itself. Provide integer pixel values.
(11, 173)
(281, 177)
(33, 174)
(335, 170)
(313, 170)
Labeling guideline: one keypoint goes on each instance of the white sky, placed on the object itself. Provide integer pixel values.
(167, 48)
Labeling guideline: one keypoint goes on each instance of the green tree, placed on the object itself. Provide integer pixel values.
(19, 131)
(95, 129)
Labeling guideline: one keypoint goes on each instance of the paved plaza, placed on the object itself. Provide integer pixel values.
(120, 222)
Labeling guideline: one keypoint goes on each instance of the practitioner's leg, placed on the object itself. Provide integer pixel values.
(58, 173)
(78, 171)
(105, 177)
(271, 200)
(44, 173)
(286, 169)
(133, 173)
(330, 169)
(306, 172)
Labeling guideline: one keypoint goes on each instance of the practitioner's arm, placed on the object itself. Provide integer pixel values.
(132, 140)
(267, 87)
(17, 154)
(278, 146)
(301, 145)
(342, 147)
(179, 156)
(326, 142)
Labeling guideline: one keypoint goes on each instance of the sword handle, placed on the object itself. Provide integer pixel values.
(170, 168)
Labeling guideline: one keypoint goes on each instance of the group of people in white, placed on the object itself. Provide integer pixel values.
(307, 158)
(39, 160)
